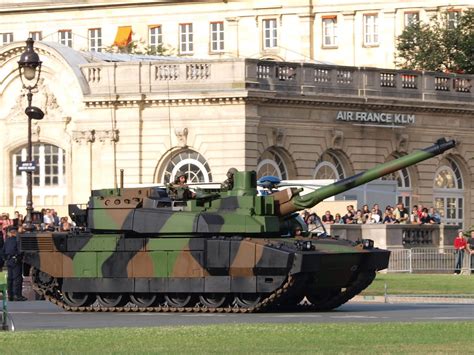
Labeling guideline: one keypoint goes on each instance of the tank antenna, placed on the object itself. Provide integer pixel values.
(121, 179)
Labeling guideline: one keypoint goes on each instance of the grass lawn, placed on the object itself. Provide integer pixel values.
(421, 284)
(353, 338)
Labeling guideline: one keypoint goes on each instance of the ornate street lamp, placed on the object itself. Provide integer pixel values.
(27, 66)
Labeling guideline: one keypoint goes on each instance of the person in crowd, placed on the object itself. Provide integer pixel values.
(470, 250)
(420, 211)
(351, 210)
(414, 219)
(365, 211)
(48, 217)
(435, 216)
(359, 217)
(338, 219)
(401, 214)
(374, 216)
(56, 219)
(328, 218)
(425, 217)
(389, 218)
(376, 209)
(460, 246)
(14, 263)
(17, 220)
(64, 224)
(6, 223)
(348, 218)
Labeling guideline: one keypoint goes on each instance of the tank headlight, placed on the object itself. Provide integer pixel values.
(367, 243)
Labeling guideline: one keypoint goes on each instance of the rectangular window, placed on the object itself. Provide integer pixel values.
(6, 38)
(330, 31)
(453, 19)
(95, 40)
(186, 38)
(217, 36)
(270, 33)
(155, 38)
(371, 29)
(411, 18)
(65, 37)
(36, 35)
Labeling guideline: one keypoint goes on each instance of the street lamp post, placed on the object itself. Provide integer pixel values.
(27, 66)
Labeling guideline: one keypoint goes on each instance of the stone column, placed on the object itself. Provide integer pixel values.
(232, 43)
(307, 36)
(80, 178)
(104, 159)
(348, 38)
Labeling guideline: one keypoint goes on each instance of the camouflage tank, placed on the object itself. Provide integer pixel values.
(137, 249)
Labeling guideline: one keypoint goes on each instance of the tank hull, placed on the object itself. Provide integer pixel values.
(87, 272)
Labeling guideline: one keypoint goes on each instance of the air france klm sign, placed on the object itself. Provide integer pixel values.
(378, 118)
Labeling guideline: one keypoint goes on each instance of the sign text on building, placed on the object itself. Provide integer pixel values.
(382, 118)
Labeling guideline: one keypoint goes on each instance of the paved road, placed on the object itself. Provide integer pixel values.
(44, 315)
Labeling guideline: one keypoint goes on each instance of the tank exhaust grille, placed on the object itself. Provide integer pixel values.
(29, 243)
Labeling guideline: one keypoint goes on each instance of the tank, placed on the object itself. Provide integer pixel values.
(228, 250)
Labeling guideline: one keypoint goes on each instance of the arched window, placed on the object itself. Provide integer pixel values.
(404, 191)
(49, 179)
(329, 167)
(271, 163)
(448, 193)
(189, 162)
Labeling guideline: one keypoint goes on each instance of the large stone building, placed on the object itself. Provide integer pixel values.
(296, 121)
(205, 110)
(343, 32)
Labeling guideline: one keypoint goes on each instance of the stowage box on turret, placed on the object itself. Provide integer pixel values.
(136, 249)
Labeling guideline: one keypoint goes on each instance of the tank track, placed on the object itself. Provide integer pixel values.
(53, 295)
(276, 301)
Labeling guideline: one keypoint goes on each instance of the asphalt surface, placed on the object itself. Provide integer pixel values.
(44, 315)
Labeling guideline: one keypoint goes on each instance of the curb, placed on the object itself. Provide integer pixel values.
(412, 299)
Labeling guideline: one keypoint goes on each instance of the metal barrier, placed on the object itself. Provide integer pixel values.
(427, 260)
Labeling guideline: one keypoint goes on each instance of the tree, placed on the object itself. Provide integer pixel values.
(439, 45)
(138, 47)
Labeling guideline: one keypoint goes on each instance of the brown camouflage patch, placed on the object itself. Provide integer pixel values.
(141, 265)
(187, 266)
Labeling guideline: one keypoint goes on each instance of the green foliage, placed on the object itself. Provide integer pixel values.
(421, 284)
(139, 47)
(298, 338)
(437, 45)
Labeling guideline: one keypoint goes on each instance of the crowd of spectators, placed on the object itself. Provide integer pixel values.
(391, 215)
(49, 221)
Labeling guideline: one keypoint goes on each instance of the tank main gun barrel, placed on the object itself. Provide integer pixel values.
(289, 200)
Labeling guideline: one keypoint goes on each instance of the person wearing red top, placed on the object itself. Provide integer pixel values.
(460, 245)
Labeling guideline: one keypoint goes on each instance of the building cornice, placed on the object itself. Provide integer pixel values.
(256, 97)
(42, 6)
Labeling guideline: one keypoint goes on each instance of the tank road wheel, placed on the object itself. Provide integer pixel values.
(144, 299)
(112, 299)
(178, 300)
(247, 300)
(213, 300)
(78, 299)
